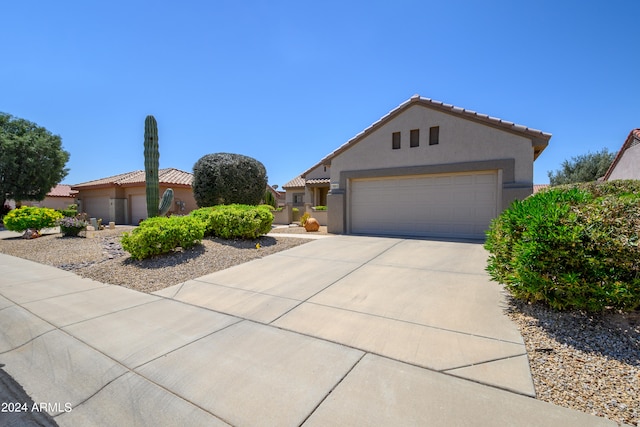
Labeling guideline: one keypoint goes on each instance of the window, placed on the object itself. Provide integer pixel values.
(395, 140)
(434, 135)
(414, 138)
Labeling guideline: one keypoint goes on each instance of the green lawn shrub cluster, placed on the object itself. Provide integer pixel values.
(28, 217)
(571, 247)
(70, 212)
(235, 221)
(159, 235)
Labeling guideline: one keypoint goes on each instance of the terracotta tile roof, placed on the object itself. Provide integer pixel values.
(539, 187)
(169, 176)
(632, 140)
(318, 181)
(295, 183)
(62, 190)
(539, 138)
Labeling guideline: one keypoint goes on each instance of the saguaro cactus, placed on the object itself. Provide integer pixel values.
(165, 202)
(151, 165)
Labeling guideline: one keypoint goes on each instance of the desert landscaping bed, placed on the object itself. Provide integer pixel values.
(585, 362)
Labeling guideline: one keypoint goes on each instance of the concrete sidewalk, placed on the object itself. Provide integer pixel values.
(344, 330)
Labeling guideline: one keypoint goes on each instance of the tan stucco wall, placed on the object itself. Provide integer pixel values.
(179, 195)
(460, 141)
(320, 171)
(51, 202)
(115, 203)
(627, 166)
(291, 192)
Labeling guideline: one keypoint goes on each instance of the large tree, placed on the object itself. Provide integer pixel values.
(584, 168)
(32, 160)
(224, 178)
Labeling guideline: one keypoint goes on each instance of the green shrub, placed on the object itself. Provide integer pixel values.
(320, 208)
(235, 221)
(227, 178)
(571, 247)
(159, 235)
(69, 213)
(269, 199)
(33, 218)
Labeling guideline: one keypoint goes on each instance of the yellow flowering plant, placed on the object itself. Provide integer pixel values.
(31, 218)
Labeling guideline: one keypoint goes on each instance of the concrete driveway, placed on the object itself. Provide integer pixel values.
(341, 331)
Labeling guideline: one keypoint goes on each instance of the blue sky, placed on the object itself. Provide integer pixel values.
(288, 82)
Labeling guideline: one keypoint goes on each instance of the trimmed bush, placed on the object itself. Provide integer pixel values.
(235, 221)
(159, 235)
(226, 178)
(571, 247)
(28, 217)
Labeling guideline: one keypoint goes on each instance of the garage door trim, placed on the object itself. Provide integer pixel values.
(442, 206)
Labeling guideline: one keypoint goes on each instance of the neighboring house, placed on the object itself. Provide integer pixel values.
(122, 198)
(295, 192)
(425, 169)
(278, 195)
(60, 197)
(539, 187)
(626, 164)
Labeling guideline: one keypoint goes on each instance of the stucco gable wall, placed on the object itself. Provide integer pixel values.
(321, 171)
(627, 166)
(461, 140)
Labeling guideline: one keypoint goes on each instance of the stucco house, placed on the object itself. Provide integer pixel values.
(60, 197)
(424, 169)
(122, 198)
(626, 164)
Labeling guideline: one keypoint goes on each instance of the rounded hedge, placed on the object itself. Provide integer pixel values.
(28, 217)
(571, 247)
(225, 178)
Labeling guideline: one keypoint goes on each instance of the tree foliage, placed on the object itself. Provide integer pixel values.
(224, 179)
(584, 168)
(32, 160)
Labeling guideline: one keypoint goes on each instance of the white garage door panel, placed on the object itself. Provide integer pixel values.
(455, 205)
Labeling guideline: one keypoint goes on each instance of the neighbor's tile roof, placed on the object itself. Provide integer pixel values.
(295, 183)
(62, 190)
(169, 176)
(318, 181)
(539, 187)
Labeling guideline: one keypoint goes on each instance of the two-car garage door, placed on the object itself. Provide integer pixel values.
(459, 205)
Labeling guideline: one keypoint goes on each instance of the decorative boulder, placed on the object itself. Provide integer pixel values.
(312, 224)
(30, 234)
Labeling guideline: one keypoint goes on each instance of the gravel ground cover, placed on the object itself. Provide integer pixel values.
(100, 257)
(586, 362)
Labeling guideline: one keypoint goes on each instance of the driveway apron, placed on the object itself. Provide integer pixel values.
(346, 330)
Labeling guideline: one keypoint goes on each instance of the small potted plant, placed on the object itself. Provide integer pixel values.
(71, 226)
